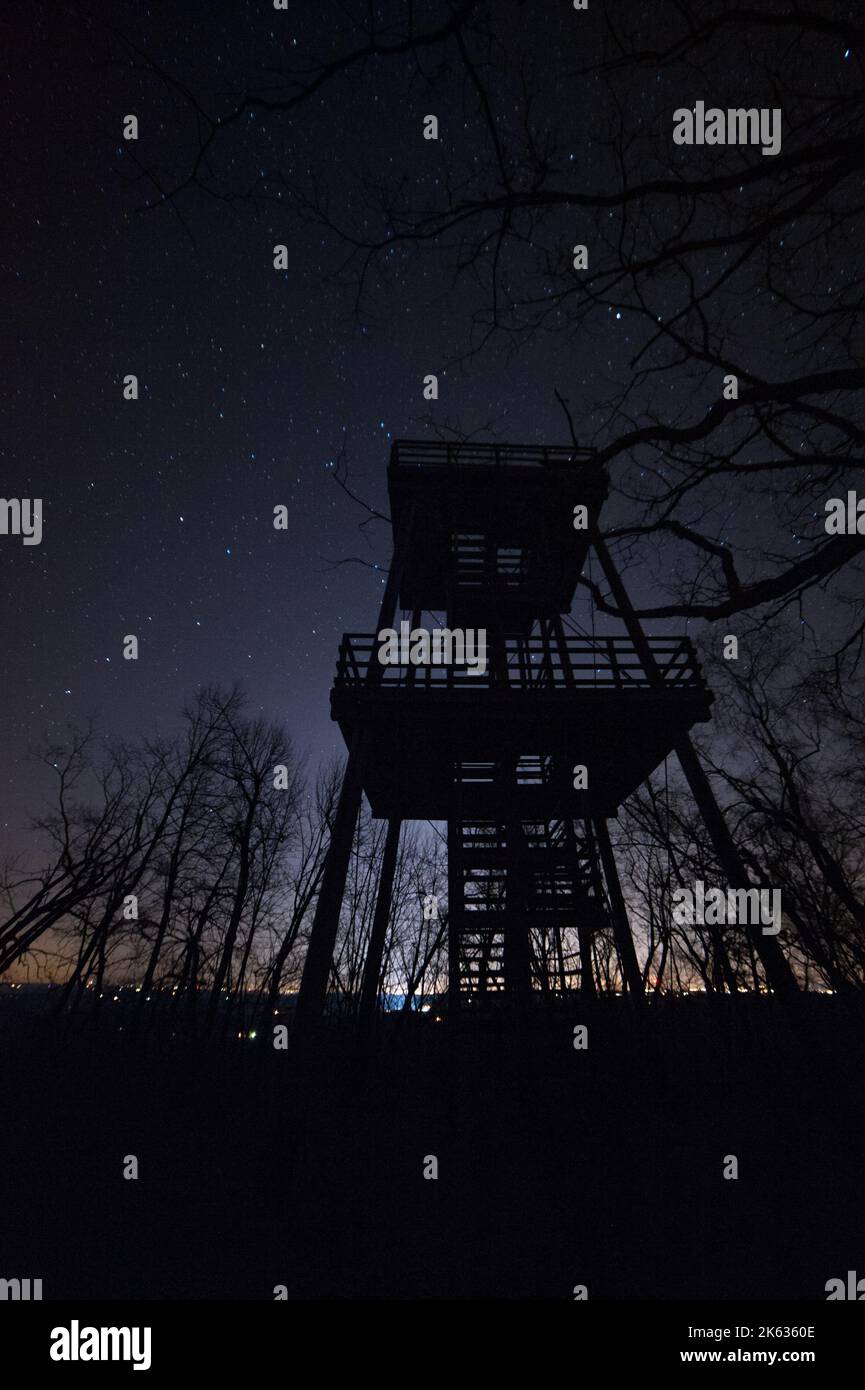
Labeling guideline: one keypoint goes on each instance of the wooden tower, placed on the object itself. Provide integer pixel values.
(490, 538)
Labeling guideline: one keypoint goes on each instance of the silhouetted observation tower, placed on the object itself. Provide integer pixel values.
(525, 759)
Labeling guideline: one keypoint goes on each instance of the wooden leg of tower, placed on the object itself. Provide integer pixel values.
(319, 956)
(584, 932)
(560, 960)
(375, 950)
(455, 916)
(779, 976)
(621, 926)
(587, 977)
(516, 944)
(516, 957)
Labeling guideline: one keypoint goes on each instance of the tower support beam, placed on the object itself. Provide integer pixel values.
(322, 937)
(779, 975)
(516, 944)
(455, 915)
(621, 926)
(375, 950)
(584, 932)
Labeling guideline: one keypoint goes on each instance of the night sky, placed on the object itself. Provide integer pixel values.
(158, 513)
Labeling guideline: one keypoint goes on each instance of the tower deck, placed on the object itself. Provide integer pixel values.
(446, 743)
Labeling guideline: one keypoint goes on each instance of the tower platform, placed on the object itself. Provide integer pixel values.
(448, 743)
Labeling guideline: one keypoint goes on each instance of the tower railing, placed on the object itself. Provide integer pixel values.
(531, 664)
(411, 454)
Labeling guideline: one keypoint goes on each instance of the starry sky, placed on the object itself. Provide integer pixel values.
(158, 512)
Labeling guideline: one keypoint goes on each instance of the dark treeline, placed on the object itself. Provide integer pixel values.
(786, 760)
(192, 863)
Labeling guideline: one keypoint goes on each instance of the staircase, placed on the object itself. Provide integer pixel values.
(525, 899)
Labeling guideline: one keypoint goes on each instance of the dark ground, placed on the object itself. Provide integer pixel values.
(556, 1167)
